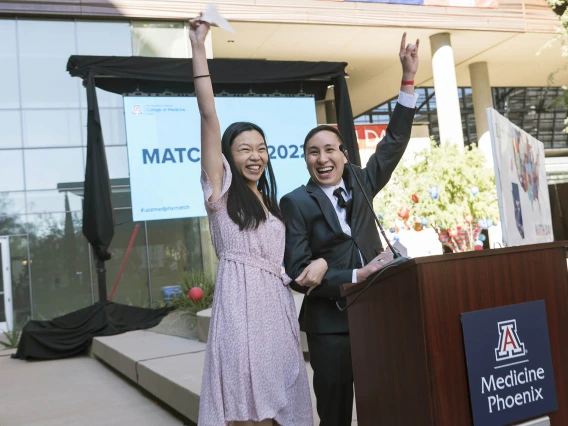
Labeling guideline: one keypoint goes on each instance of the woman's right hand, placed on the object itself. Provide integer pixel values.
(198, 30)
(313, 274)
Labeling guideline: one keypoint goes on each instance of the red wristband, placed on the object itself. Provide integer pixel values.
(407, 82)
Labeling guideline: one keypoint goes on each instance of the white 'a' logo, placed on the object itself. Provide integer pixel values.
(510, 346)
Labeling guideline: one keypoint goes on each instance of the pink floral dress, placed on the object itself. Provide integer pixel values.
(254, 365)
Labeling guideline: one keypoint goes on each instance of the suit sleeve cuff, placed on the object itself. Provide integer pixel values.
(354, 276)
(407, 100)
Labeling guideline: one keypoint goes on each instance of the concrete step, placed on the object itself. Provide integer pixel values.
(168, 367)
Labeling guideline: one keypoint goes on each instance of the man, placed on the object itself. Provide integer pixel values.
(329, 218)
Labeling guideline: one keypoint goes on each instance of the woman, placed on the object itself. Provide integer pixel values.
(254, 368)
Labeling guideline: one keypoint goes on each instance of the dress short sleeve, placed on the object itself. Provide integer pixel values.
(216, 205)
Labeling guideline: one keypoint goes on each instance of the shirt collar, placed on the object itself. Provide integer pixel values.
(329, 189)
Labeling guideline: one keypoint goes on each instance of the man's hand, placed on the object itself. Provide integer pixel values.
(374, 265)
(313, 274)
(408, 58)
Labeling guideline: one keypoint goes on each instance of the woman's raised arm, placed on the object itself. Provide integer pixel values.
(211, 159)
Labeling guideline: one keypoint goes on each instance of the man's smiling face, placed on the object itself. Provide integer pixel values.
(324, 159)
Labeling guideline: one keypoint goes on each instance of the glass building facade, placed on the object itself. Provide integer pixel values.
(537, 110)
(43, 118)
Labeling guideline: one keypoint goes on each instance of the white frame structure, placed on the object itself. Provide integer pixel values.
(7, 284)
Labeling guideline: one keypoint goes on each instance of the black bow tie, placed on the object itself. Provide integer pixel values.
(347, 205)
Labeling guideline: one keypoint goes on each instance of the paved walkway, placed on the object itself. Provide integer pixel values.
(78, 391)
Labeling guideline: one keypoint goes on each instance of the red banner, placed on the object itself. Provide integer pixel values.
(369, 135)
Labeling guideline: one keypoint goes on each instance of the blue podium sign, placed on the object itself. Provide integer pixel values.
(509, 363)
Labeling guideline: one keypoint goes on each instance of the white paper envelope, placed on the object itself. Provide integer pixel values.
(213, 17)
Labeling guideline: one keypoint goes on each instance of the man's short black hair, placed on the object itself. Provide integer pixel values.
(321, 128)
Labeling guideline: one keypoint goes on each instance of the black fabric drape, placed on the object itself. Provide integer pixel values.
(234, 76)
(98, 212)
(242, 71)
(345, 121)
(71, 334)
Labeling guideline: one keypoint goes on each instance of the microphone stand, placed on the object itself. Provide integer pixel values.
(398, 258)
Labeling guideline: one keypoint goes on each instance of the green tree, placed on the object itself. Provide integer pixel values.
(440, 188)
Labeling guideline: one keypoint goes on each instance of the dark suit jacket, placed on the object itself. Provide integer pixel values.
(313, 229)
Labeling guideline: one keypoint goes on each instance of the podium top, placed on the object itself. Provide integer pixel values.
(349, 288)
(490, 252)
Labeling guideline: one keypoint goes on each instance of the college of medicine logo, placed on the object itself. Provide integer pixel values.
(510, 346)
(136, 110)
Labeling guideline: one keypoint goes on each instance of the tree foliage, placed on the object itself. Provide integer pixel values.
(440, 187)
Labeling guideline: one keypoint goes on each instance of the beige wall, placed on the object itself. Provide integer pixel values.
(512, 15)
(366, 36)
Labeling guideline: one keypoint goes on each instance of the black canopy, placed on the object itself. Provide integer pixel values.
(231, 76)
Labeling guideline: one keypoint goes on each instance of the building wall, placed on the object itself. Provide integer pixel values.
(42, 164)
(512, 15)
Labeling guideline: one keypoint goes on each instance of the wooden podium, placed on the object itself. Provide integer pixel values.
(407, 347)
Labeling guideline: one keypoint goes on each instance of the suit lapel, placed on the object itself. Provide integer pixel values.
(326, 207)
(359, 214)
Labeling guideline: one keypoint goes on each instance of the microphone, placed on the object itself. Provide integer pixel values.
(398, 258)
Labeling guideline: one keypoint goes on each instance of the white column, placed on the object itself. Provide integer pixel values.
(445, 85)
(482, 99)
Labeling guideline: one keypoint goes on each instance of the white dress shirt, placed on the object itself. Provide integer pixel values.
(405, 100)
(342, 214)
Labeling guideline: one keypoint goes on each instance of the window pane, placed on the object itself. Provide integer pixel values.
(9, 70)
(54, 201)
(2, 286)
(117, 160)
(43, 128)
(12, 213)
(174, 247)
(12, 203)
(11, 170)
(121, 197)
(159, 39)
(114, 130)
(46, 46)
(10, 123)
(12, 225)
(59, 264)
(112, 122)
(362, 119)
(47, 168)
(210, 260)
(20, 279)
(103, 39)
(133, 286)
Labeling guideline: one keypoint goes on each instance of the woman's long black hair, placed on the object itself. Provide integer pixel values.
(244, 207)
